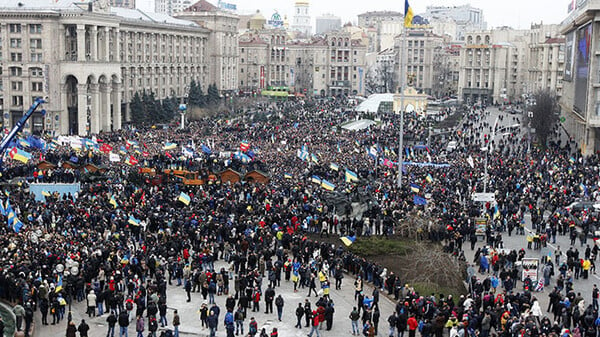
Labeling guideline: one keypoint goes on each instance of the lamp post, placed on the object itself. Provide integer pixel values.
(183, 106)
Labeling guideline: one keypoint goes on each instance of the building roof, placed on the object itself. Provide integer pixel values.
(253, 41)
(136, 14)
(555, 40)
(202, 6)
(372, 103)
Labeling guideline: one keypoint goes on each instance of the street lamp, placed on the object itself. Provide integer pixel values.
(183, 106)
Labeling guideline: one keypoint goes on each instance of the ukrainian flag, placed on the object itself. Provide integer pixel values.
(183, 197)
(334, 166)
(429, 178)
(59, 284)
(46, 193)
(113, 201)
(327, 185)
(415, 188)
(496, 212)
(133, 221)
(351, 176)
(287, 175)
(314, 158)
(20, 155)
(315, 179)
(17, 226)
(408, 14)
(169, 146)
(348, 240)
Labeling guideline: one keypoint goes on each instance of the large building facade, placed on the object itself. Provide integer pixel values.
(494, 66)
(580, 99)
(546, 59)
(90, 60)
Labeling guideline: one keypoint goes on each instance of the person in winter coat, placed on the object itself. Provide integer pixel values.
(412, 326)
(123, 323)
(279, 304)
(83, 328)
(139, 326)
(176, 323)
(112, 321)
(212, 321)
(91, 304)
(152, 326)
(71, 330)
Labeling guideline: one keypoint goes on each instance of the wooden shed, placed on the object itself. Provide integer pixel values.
(70, 165)
(45, 165)
(230, 175)
(257, 176)
(91, 168)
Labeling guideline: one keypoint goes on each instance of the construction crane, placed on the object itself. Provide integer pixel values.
(19, 126)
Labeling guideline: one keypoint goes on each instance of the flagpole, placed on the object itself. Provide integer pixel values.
(402, 80)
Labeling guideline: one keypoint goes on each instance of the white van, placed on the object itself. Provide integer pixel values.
(451, 146)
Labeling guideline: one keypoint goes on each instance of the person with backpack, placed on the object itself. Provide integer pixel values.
(112, 321)
(212, 321)
(28, 318)
(239, 320)
(252, 327)
(354, 317)
(279, 304)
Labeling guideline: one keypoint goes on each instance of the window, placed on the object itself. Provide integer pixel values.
(15, 43)
(17, 100)
(37, 86)
(14, 28)
(35, 28)
(16, 71)
(35, 43)
(36, 57)
(35, 72)
(16, 85)
(16, 57)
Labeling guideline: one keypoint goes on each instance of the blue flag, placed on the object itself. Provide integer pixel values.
(419, 200)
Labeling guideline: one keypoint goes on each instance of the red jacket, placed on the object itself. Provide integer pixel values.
(412, 323)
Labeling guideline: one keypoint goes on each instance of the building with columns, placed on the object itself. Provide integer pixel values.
(301, 19)
(89, 60)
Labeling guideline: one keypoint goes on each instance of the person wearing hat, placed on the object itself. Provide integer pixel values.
(71, 330)
(91, 304)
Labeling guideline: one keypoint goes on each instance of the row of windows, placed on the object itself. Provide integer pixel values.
(33, 43)
(18, 86)
(33, 57)
(34, 28)
(33, 72)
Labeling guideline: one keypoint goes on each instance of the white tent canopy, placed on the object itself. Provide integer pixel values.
(372, 103)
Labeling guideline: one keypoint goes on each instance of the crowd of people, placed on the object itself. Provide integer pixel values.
(121, 241)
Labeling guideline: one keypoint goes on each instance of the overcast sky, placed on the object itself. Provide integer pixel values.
(514, 13)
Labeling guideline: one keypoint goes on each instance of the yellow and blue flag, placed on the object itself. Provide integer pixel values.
(415, 188)
(315, 179)
(20, 155)
(429, 178)
(169, 146)
(59, 284)
(348, 240)
(334, 166)
(327, 185)
(287, 175)
(113, 201)
(408, 14)
(133, 221)
(351, 176)
(185, 198)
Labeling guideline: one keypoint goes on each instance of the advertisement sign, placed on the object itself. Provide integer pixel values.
(530, 269)
(480, 226)
(582, 66)
(228, 6)
(292, 77)
(275, 20)
(569, 55)
(262, 77)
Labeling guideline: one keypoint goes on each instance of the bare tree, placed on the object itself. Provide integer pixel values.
(544, 114)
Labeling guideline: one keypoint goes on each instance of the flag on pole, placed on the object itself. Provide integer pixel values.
(287, 175)
(429, 178)
(327, 185)
(17, 225)
(313, 157)
(244, 146)
(351, 176)
(470, 161)
(20, 155)
(408, 14)
(315, 179)
(185, 198)
(133, 221)
(417, 200)
(415, 188)
(334, 166)
(59, 284)
(348, 240)
(113, 201)
(169, 146)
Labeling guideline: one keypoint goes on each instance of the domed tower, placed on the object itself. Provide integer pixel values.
(301, 18)
(257, 21)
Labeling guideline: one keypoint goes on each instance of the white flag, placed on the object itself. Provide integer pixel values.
(113, 157)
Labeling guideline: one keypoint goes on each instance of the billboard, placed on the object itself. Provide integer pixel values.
(569, 55)
(582, 66)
